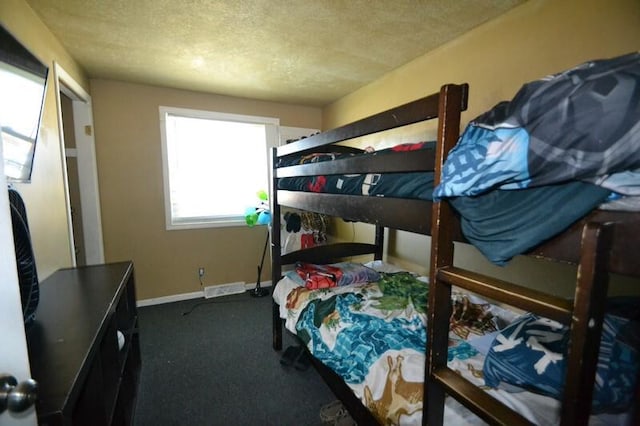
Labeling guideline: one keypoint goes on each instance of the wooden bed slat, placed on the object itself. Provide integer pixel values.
(477, 400)
(409, 113)
(329, 253)
(407, 215)
(549, 306)
(411, 161)
(623, 260)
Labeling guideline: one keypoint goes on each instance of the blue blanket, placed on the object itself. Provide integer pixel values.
(415, 185)
(502, 224)
(581, 124)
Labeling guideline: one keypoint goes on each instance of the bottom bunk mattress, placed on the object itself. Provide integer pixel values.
(368, 324)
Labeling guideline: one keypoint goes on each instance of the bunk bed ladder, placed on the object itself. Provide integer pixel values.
(584, 315)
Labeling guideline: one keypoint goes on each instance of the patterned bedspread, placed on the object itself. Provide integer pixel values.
(374, 336)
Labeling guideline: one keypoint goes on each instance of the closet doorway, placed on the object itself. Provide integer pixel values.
(75, 122)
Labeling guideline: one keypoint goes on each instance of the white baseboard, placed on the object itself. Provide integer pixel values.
(187, 296)
(168, 299)
(224, 289)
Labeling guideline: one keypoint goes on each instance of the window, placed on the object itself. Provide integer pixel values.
(214, 164)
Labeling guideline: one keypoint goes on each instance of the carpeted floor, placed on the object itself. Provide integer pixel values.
(210, 362)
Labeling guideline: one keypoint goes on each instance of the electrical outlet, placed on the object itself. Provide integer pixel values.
(201, 272)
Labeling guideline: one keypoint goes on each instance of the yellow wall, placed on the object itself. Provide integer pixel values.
(45, 196)
(129, 157)
(532, 40)
(537, 38)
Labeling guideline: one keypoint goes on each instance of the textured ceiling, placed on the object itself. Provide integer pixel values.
(309, 52)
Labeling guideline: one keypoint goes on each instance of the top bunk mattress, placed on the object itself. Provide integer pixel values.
(412, 185)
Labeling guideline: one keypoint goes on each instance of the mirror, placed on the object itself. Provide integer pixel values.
(23, 80)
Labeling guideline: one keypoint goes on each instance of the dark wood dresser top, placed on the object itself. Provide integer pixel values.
(74, 308)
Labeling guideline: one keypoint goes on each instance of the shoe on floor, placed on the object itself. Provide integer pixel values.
(303, 361)
(290, 355)
(344, 419)
(336, 414)
(331, 411)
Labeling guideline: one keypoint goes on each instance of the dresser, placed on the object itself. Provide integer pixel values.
(84, 346)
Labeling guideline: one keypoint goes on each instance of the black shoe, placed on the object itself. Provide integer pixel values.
(303, 361)
(290, 355)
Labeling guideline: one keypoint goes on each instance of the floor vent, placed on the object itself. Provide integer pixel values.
(224, 289)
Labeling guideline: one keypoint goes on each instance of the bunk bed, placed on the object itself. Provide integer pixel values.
(598, 241)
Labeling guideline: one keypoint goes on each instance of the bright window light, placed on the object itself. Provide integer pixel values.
(214, 164)
(20, 110)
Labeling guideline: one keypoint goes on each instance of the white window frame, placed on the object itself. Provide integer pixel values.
(272, 140)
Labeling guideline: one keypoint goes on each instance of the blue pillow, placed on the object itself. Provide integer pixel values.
(530, 354)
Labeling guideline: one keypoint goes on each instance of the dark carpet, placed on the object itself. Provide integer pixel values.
(210, 362)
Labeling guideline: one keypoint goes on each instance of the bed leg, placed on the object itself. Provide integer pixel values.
(277, 327)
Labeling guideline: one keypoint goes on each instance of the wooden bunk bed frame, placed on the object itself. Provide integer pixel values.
(601, 243)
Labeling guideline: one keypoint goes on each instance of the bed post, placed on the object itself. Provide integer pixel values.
(452, 101)
(276, 251)
(586, 323)
(379, 242)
